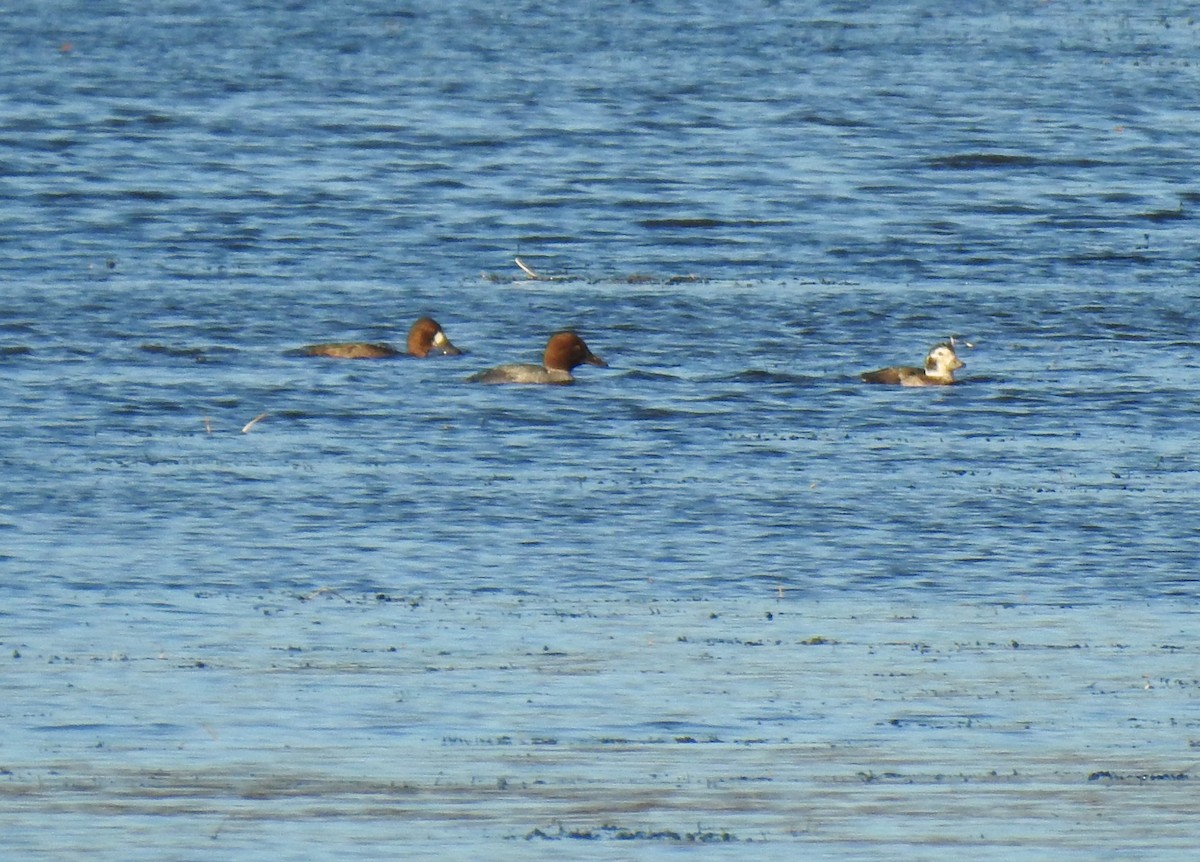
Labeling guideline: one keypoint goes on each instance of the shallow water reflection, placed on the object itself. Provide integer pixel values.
(371, 724)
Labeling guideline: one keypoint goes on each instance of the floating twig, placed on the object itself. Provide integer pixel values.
(320, 591)
(532, 275)
(529, 272)
(260, 417)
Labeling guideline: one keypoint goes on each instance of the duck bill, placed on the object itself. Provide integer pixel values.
(443, 345)
(593, 359)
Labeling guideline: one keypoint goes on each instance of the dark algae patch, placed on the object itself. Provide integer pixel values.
(1106, 775)
(620, 833)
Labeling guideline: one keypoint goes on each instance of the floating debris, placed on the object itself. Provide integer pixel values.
(260, 417)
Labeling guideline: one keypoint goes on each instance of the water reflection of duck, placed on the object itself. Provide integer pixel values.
(565, 351)
(940, 365)
(425, 337)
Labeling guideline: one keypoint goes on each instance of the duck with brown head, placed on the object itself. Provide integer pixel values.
(426, 337)
(564, 352)
(940, 365)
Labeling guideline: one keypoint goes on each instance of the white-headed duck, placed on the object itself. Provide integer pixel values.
(425, 337)
(940, 365)
(564, 352)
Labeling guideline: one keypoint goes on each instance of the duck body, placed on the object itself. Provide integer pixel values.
(940, 365)
(564, 352)
(425, 337)
(351, 350)
(523, 373)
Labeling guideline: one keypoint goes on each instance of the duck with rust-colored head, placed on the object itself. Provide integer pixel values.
(424, 338)
(564, 352)
(940, 365)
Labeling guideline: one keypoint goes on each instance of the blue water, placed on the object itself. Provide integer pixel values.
(740, 206)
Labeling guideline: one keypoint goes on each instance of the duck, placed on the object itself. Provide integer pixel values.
(940, 365)
(564, 352)
(425, 337)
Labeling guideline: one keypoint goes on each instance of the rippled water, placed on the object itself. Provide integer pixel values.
(677, 602)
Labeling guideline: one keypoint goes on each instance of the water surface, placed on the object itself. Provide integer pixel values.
(717, 594)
